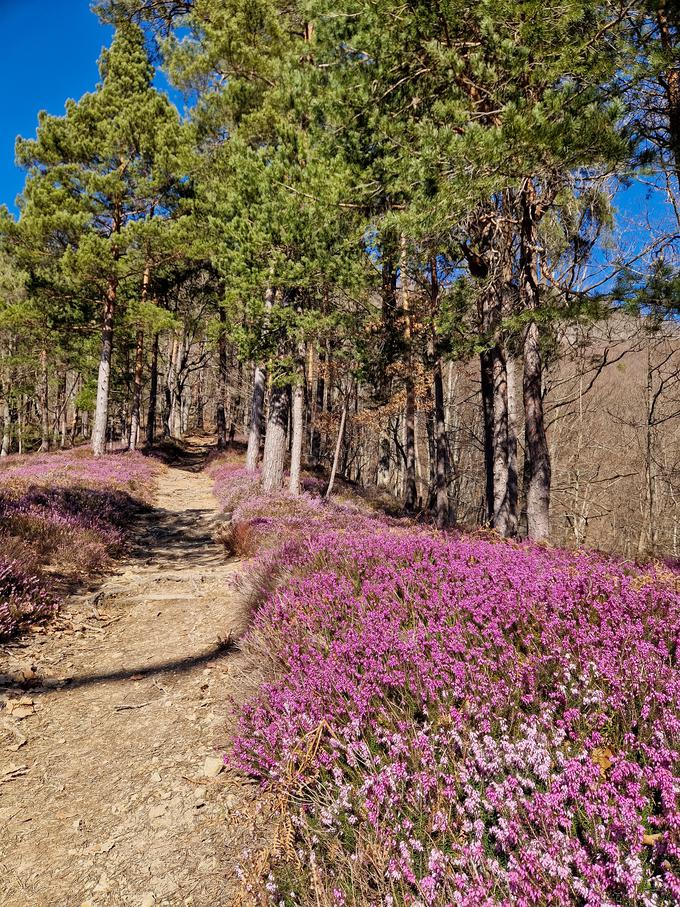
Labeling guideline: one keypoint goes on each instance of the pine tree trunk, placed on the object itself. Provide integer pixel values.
(441, 451)
(410, 486)
(221, 415)
(486, 373)
(539, 473)
(101, 412)
(6, 424)
(502, 517)
(6, 409)
(317, 407)
(153, 394)
(539, 469)
(256, 419)
(175, 418)
(275, 440)
(63, 404)
(200, 391)
(336, 456)
(512, 488)
(44, 403)
(137, 393)
(298, 430)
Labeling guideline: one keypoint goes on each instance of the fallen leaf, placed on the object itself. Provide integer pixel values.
(101, 848)
(603, 757)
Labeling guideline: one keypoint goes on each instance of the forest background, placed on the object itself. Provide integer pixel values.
(432, 245)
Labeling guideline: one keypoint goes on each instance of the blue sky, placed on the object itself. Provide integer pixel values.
(48, 53)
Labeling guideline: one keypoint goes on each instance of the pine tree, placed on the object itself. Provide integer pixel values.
(97, 178)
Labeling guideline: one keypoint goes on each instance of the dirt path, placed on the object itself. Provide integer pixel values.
(108, 801)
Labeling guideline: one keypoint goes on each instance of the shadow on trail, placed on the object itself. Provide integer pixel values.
(177, 541)
(173, 667)
(189, 456)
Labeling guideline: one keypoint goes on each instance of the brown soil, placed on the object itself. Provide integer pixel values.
(107, 801)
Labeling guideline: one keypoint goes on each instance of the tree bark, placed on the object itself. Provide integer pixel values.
(275, 440)
(512, 483)
(256, 419)
(101, 412)
(410, 484)
(486, 374)
(174, 420)
(44, 403)
(539, 473)
(135, 417)
(441, 451)
(221, 416)
(6, 424)
(153, 394)
(504, 451)
(336, 456)
(137, 392)
(298, 430)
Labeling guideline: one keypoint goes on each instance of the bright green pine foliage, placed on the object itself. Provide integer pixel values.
(100, 179)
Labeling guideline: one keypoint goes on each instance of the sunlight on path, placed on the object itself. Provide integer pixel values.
(114, 798)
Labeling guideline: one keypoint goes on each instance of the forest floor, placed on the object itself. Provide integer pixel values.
(112, 789)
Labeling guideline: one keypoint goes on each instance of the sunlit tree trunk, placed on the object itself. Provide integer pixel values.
(298, 430)
(539, 473)
(256, 419)
(153, 394)
(441, 451)
(539, 469)
(101, 412)
(336, 456)
(135, 417)
(137, 392)
(45, 402)
(221, 416)
(273, 460)
(6, 424)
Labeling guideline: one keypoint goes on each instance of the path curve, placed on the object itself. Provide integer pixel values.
(107, 801)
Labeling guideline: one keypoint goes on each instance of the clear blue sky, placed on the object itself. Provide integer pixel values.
(48, 53)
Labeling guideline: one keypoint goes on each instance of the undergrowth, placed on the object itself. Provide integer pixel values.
(63, 516)
(454, 720)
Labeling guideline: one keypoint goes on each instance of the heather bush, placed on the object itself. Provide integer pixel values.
(23, 597)
(62, 515)
(457, 720)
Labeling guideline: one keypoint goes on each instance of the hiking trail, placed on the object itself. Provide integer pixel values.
(111, 788)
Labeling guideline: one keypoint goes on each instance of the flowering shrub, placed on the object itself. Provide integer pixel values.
(22, 597)
(464, 721)
(65, 513)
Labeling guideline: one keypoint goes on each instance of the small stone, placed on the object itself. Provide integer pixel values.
(199, 793)
(156, 776)
(212, 766)
(103, 883)
(157, 811)
(230, 801)
(148, 900)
